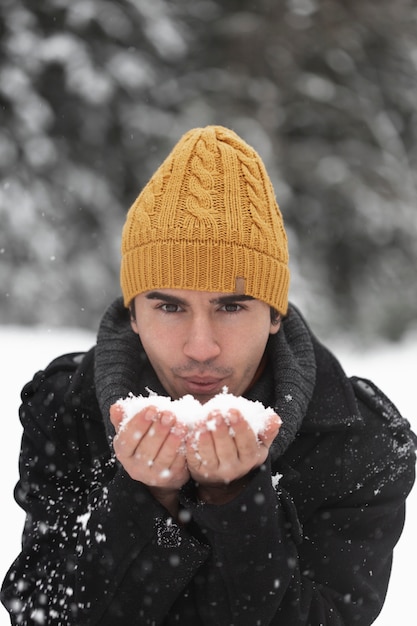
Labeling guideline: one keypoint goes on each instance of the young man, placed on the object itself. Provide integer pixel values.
(148, 523)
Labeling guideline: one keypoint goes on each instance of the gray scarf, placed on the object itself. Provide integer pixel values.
(287, 383)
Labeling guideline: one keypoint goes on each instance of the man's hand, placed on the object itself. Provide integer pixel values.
(150, 448)
(219, 459)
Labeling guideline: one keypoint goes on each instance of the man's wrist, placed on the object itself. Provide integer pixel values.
(167, 498)
(221, 493)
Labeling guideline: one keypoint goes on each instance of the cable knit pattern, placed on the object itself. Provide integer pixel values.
(287, 384)
(200, 179)
(207, 220)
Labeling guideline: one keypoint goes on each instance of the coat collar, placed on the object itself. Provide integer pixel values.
(333, 406)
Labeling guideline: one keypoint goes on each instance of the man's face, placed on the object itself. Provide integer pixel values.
(200, 341)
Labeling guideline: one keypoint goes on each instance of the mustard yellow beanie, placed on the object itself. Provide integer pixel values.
(207, 220)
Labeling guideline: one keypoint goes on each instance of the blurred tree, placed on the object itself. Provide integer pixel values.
(94, 93)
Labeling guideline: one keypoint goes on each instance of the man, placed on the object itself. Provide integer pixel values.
(146, 522)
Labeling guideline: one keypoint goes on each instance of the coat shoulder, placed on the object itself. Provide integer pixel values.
(62, 368)
(385, 450)
(372, 400)
(69, 378)
(60, 410)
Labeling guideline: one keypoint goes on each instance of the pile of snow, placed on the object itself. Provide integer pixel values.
(26, 350)
(190, 412)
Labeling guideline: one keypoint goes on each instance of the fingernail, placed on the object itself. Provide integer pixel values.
(167, 419)
(151, 414)
(233, 416)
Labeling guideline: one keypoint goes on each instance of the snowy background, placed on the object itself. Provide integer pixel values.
(26, 350)
(93, 95)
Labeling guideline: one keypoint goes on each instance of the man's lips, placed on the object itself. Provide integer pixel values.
(197, 384)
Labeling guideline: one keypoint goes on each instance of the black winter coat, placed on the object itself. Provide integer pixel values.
(308, 542)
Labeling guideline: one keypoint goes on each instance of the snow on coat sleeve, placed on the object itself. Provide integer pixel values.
(143, 563)
(348, 491)
(95, 543)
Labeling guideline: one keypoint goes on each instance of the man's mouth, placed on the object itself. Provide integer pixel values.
(197, 385)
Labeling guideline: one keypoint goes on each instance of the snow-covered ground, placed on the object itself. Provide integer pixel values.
(26, 350)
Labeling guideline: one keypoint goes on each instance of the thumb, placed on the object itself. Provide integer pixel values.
(116, 416)
(271, 430)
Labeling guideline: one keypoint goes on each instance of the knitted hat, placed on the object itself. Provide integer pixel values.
(207, 220)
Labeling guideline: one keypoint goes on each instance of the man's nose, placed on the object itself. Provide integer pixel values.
(201, 343)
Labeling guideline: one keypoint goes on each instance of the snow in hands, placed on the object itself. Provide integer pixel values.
(190, 412)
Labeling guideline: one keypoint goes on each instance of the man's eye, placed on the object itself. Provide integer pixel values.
(232, 308)
(168, 307)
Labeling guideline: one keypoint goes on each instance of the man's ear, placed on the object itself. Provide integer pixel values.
(132, 311)
(275, 325)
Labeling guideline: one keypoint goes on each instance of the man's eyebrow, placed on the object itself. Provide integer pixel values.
(230, 299)
(227, 299)
(165, 297)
